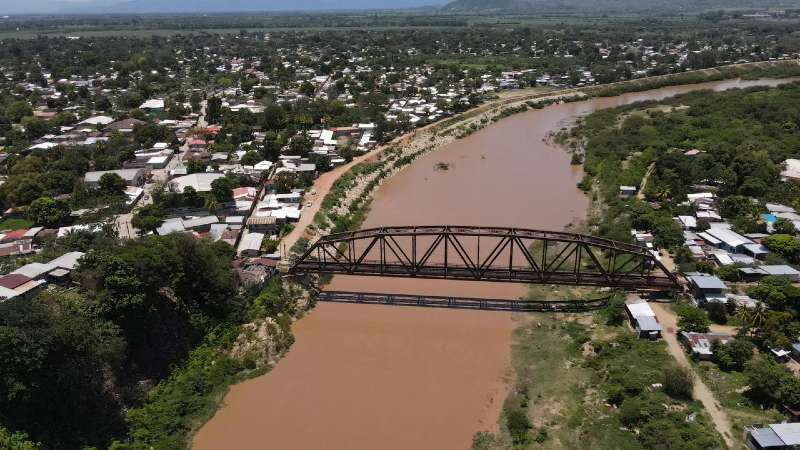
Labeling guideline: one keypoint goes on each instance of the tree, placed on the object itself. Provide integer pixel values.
(213, 109)
(785, 245)
(222, 189)
(615, 311)
(728, 273)
(753, 318)
(717, 312)
(284, 182)
(784, 226)
(307, 89)
(16, 441)
(733, 355)
(251, 158)
(17, 110)
(59, 388)
(48, 212)
(211, 204)
(148, 218)
(191, 198)
(693, 319)
(738, 206)
(790, 393)
(195, 166)
(777, 292)
(678, 382)
(765, 378)
(112, 184)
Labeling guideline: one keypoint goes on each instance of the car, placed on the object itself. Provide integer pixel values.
(308, 205)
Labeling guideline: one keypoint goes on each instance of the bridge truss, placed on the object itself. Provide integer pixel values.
(487, 254)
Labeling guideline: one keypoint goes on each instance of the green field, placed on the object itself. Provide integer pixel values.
(570, 368)
(15, 223)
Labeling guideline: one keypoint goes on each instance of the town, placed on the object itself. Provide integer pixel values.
(156, 188)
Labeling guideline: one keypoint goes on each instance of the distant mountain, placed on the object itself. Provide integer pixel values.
(217, 6)
(608, 5)
(200, 6)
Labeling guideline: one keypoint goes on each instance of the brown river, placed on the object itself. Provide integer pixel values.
(377, 377)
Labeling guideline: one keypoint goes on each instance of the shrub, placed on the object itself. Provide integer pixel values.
(678, 382)
(733, 355)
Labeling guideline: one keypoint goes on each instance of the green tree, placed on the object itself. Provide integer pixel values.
(48, 212)
(783, 244)
(733, 355)
(777, 292)
(59, 388)
(784, 226)
(284, 182)
(112, 184)
(191, 198)
(17, 110)
(213, 110)
(251, 158)
(717, 312)
(222, 189)
(693, 319)
(728, 273)
(16, 441)
(765, 378)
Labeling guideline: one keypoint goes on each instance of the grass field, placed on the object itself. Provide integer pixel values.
(566, 365)
(173, 24)
(15, 223)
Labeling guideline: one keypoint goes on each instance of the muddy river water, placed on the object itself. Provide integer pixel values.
(373, 377)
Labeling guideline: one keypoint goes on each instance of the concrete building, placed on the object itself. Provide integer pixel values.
(201, 182)
(132, 177)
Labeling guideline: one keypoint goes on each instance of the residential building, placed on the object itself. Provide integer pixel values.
(778, 436)
(643, 319)
(132, 177)
(699, 344)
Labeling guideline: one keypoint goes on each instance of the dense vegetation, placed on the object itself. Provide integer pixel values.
(744, 136)
(597, 386)
(77, 360)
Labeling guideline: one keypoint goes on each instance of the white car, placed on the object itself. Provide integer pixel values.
(308, 205)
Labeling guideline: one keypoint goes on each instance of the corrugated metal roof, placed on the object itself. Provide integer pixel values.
(707, 282)
(789, 433)
(647, 323)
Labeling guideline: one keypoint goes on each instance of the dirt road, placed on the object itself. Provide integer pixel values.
(669, 322)
(321, 187)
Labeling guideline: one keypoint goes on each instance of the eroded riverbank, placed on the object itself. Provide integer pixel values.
(363, 377)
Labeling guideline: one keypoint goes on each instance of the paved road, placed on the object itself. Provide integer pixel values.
(719, 418)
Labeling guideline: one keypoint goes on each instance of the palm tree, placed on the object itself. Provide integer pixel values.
(753, 318)
(211, 204)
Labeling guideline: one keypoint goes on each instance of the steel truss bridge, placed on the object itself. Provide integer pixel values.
(495, 254)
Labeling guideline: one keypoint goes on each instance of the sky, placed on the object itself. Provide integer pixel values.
(8, 7)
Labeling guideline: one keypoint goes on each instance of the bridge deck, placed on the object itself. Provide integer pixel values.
(430, 301)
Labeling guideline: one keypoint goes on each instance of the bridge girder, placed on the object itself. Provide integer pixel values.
(514, 255)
